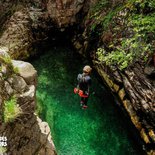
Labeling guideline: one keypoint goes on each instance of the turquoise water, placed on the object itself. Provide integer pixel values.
(98, 130)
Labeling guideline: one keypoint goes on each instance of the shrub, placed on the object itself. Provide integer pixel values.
(130, 51)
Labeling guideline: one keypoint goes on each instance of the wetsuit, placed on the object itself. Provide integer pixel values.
(84, 82)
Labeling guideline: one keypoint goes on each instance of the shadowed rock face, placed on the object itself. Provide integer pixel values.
(17, 35)
(5, 10)
(64, 11)
(29, 22)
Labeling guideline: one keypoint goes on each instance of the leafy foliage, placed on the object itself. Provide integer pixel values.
(11, 110)
(117, 57)
(99, 7)
(133, 39)
(101, 14)
(130, 50)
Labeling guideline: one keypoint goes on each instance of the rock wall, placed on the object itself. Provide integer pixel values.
(134, 99)
(134, 85)
(19, 32)
(26, 134)
(28, 22)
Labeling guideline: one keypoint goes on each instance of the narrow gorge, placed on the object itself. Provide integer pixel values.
(58, 37)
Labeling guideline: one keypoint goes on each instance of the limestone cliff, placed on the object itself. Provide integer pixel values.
(26, 134)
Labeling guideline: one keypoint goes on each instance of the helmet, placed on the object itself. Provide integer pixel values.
(87, 69)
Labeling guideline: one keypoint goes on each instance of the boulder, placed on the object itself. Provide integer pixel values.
(27, 71)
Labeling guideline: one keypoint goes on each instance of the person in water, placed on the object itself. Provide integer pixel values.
(84, 82)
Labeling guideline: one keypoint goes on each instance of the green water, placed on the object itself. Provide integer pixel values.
(98, 130)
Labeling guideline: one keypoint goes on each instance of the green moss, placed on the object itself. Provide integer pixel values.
(3, 149)
(15, 70)
(11, 110)
(6, 60)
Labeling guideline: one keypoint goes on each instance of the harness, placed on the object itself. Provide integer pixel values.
(82, 86)
(82, 79)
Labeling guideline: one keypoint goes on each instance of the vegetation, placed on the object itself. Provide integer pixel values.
(130, 51)
(15, 70)
(6, 60)
(3, 149)
(39, 109)
(133, 31)
(11, 110)
(101, 15)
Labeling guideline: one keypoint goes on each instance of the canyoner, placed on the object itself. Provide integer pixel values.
(83, 87)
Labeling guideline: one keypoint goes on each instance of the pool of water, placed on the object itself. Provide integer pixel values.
(98, 130)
